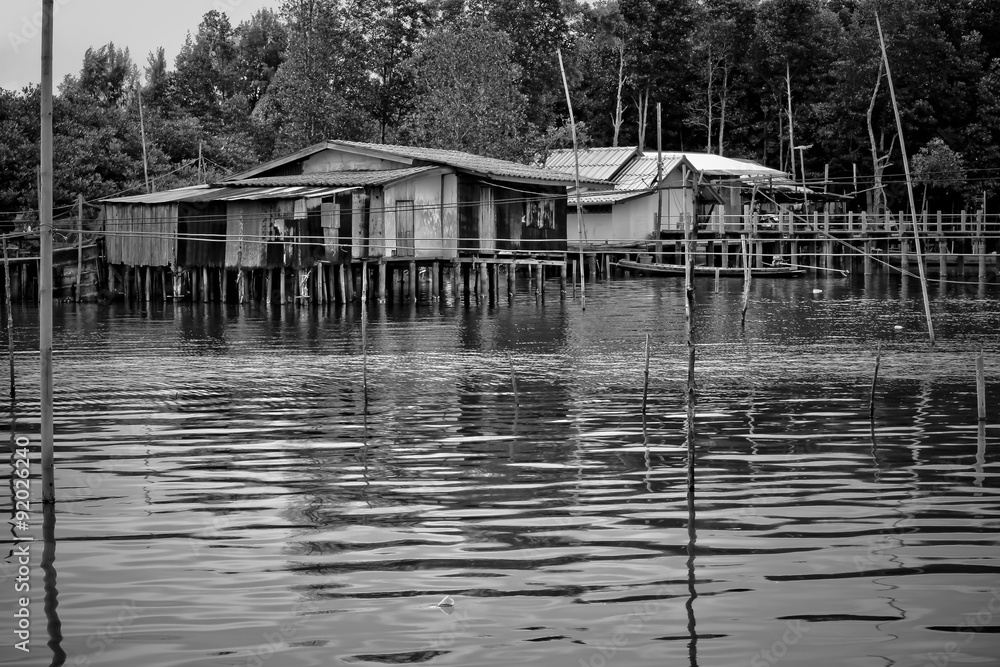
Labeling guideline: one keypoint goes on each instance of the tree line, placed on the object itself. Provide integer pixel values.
(795, 84)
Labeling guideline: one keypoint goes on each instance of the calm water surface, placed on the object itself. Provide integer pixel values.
(224, 499)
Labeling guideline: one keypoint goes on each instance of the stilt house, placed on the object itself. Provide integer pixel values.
(702, 187)
(340, 202)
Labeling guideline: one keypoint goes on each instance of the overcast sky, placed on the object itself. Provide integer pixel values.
(140, 25)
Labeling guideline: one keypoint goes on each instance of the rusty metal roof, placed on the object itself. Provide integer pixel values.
(332, 178)
(203, 193)
(467, 161)
(412, 155)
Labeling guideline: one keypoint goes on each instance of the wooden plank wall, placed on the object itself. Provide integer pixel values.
(141, 235)
(205, 222)
(248, 225)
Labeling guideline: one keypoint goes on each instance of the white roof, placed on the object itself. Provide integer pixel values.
(718, 165)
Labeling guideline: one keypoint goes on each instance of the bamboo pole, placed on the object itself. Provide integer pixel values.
(79, 247)
(576, 163)
(645, 381)
(981, 386)
(746, 280)
(909, 185)
(45, 279)
(364, 330)
(10, 318)
(871, 397)
(659, 190)
(513, 381)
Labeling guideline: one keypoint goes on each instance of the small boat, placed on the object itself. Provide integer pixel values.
(654, 269)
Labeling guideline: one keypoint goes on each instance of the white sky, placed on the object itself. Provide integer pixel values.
(140, 25)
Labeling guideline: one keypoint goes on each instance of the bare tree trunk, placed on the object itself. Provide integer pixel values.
(723, 95)
(791, 133)
(878, 163)
(616, 120)
(710, 71)
(643, 107)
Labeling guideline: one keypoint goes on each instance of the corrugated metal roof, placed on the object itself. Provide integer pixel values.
(641, 172)
(203, 193)
(718, 165)
(461, 160)
(607, 197)
(332, 178)
(599, 163)
(492, 167)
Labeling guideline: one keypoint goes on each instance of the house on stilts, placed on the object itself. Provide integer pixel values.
(313, 225)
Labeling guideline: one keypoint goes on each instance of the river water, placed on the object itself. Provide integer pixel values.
(223, 499)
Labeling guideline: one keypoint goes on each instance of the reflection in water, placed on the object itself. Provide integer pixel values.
(222, 469)
(53, 625)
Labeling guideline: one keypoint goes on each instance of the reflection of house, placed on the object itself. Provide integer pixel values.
(692, 184)
(339, 202)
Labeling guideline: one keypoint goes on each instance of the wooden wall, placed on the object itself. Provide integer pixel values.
(141, 235)
(429, 236)
(334, 160)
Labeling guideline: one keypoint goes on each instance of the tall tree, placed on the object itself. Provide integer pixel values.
(108, 75)
(318, 91)
(390, 29)
(659, 68)
(205, 79)
(467, 92)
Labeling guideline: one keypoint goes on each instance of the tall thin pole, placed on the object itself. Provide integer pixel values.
(659, 186)
(142, 132)
(909, 184)
(45, 279)
(791, 132)
(10, 319)
(79, 248)
(576, 162)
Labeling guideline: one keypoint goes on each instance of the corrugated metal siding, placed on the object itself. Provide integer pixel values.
(248, 226)
(201, 230)
(468, 215)
(141, 235)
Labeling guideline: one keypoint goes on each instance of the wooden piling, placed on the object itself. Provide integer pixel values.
(513, 381)
(645, 381)
(10, 317)
(871, 396)
(540, 273)
(562, 278)
(511, 279)
(484, 281)
(746, 280)
(981, 386)
(413, 283)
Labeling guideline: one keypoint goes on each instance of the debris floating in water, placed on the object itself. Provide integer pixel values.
(898, 327)
(817, 291)
(446, 602)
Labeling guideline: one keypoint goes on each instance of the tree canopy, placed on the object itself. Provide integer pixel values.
(744, 78)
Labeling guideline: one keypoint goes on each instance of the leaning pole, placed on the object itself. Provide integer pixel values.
(45, 270)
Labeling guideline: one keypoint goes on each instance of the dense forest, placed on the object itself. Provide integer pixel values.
(742, 78)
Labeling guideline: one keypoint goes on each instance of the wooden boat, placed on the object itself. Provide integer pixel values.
(654, 269)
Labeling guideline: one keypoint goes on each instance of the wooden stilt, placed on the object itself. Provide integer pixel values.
(282, 286)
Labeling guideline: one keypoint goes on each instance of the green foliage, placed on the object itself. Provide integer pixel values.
(467, 94)
(483, 76)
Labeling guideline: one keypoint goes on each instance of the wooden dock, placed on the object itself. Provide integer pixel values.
(959, 248)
